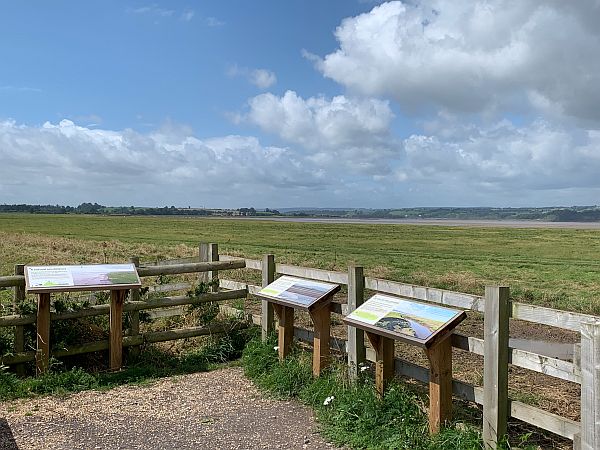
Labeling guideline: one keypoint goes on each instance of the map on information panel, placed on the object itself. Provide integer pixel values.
(403, 318)
(297, 291)
(81, 277)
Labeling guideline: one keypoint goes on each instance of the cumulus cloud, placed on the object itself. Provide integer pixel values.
(261, 78)
(345, 132)
(76, 163)
(538, 156)
(474, 56)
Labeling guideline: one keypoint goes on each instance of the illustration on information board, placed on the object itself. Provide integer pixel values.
(296, 290)
(400, 316)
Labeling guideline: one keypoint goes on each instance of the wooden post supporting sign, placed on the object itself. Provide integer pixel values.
(440, 384)
(322, 321)
(117, 298)
(42, 354)
(268, 276)
(286, 329)
(384, 360)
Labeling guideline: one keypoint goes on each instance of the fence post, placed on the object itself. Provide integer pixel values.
(268, 276)
(356, 340)
(213, 255)
(18, 297)
(134, 316)
(590, 384)
(495, 364)
(203, 251)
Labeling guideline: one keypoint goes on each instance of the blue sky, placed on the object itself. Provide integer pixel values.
(300, 103)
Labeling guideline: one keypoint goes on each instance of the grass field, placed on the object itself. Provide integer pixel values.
(553, 267)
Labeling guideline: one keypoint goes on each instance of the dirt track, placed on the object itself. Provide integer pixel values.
(213, 410)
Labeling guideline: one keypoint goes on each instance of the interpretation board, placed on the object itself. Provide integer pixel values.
(405, 320)
(289, 293)
(48, 279)
(299, 293)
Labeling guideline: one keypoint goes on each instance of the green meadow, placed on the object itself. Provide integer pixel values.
(552, 267)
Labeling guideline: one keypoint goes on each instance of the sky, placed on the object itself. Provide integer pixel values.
(300, 103)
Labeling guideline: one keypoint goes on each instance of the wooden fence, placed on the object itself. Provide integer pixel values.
(206, 269)
(495, 349)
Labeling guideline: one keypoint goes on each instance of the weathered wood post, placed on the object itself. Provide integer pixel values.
(267, 315)
(356, 340)
(590, 384)
(384, 360)
(495, 364)
(321, 318)
(42, 353)
(134, 316)
(208, 253)
(18, 297)
(285, 315)
(440, 384)
(117, 298)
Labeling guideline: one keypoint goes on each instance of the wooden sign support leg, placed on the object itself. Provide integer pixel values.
(322, 322)
(117, 298)
(42, 354)
(384, 360)
(286, 329)
(440, 384)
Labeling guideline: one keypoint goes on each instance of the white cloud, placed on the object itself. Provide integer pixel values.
(536, 157)
(261, 78)
(152, 10)
(70, 163)
(337, 133)
(187, 15)
(213, 22)
(474, 55)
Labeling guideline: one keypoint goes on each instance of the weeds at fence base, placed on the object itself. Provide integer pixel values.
(351, 414)
(152, 364)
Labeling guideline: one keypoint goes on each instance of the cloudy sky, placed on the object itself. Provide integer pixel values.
(343, 103)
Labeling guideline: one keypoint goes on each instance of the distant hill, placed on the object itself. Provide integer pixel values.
(545, 214)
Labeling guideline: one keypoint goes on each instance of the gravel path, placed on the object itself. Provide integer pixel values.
(220, 409)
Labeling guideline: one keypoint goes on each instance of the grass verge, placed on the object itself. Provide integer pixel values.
(354, 416)
(150, 365)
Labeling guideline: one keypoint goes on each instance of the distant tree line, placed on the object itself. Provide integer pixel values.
(95, 208)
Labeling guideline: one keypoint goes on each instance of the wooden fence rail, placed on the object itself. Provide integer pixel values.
(495, 346)
(207, 263)
(495, 349)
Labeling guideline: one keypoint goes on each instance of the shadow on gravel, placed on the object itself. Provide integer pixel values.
(7, 440)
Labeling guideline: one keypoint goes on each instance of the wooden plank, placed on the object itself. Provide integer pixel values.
(12, 281)
(440, 384)
(134, 316)
(384, 360)
(117, 298)
(313, 274)
(267, 314)
(554, 367)
(213, 275)
(19, 337)
(230, 284)
(590, 384)
(286, 329)
(441, 296)
(551, 317)
(356, 336)
(203, 277)
(170, 287)
(250, 263)
(42, 356)
(495, 365)
(191, 268)
(322, 322)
